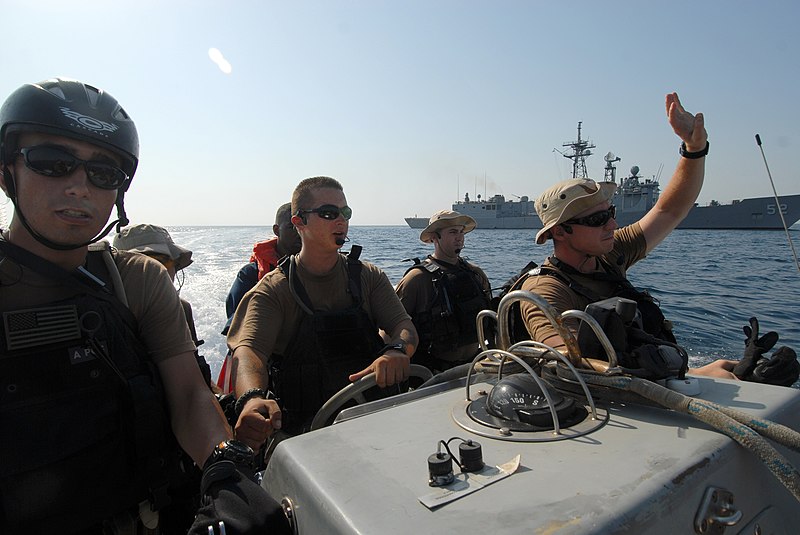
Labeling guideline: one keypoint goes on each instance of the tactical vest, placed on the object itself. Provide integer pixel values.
(448, 322)
(326, 348)
(82, 407)
(653, 319)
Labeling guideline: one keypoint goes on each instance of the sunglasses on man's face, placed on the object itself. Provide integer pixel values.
(55, 162)
(330, 212)
(597, 219)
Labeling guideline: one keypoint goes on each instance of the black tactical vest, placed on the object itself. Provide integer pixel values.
(82, 408)
(448, 322)
(326, 348)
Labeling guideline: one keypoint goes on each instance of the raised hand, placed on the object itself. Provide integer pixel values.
(690, 128)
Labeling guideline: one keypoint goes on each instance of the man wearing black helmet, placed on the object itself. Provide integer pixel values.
(96, 361)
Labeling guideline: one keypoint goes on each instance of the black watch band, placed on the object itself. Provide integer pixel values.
(250, 394)
(692, 155)
(232, 450)
(399, 346)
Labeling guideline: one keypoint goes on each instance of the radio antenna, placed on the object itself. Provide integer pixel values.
(778, 202)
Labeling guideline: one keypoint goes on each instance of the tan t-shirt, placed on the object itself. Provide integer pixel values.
(268, 316)
(417, 292)
(629, 245)
(151, 298)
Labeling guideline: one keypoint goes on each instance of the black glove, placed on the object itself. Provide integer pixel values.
(781, 369)
(228, 496)
(754, 349)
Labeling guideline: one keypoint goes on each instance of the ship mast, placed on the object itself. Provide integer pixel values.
(580, 150)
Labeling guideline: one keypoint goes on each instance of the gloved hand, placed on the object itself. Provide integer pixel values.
(228, 496)
(754, 349)
(781, 369)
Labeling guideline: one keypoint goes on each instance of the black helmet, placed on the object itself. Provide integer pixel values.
(76, 110)
(73, 109)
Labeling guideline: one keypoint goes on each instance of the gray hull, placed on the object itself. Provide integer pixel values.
(759, 213)
(524, 222)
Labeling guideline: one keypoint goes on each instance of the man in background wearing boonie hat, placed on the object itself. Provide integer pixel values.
(444, 293)
(590, 250)
(155, 242)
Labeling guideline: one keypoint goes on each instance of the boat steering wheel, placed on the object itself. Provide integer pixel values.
(354, 390)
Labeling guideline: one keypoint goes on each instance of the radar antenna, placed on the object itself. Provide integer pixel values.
(580, 150)
(611, 170)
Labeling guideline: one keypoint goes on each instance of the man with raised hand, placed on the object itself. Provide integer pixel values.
(591, 254)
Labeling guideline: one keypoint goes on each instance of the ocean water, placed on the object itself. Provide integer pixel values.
(709, 282)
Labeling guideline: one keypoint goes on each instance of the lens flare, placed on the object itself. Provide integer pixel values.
(216, 56)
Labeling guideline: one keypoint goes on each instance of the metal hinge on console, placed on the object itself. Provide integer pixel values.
(716, 512)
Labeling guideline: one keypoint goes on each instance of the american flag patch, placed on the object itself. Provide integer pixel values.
(41, 326)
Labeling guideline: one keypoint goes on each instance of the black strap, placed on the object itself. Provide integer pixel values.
(289, 268)
(44, 267)
(564, 272)
(354, 266)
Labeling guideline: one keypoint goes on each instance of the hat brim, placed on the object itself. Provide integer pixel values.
(577, 205)
(181, 256)
(430, 231)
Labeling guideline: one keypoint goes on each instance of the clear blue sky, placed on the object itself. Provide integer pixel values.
(412, 103)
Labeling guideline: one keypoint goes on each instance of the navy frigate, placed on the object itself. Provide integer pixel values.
(635, 196)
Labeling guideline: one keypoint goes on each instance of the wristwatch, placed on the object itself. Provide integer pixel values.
(232, 450)
(693, 155)
(399, 346)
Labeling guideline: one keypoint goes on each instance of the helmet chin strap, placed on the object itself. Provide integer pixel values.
(586, 259)
(121, 220)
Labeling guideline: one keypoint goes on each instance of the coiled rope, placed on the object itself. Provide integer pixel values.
(745, 429)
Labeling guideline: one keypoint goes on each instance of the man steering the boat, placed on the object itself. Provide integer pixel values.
(444, 293)
(310, 327)
(97, 364)
(591, 254)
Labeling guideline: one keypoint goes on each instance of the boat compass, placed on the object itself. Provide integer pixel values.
(523, 407)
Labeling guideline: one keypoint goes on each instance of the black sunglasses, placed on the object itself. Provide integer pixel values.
(330, 212)
(597, 219)
(53, 161)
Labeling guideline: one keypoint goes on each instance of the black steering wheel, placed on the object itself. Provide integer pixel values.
(354, 390)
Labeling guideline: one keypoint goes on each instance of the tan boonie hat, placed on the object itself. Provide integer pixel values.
(567, 199)
(446, 218)
(147, 238)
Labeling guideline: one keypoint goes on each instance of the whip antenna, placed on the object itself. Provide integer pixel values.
(778, 203)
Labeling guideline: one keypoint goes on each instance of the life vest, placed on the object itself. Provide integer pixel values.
(326, 348)
(265, 255)
(87, 435)
(448, 322)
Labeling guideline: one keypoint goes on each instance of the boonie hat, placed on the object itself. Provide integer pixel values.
(147, 238)
(567, 199)
(446, 218)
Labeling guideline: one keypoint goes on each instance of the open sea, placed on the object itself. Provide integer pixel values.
(709, 282)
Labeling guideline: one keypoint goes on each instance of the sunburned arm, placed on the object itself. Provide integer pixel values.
(683, 188)
(722, 369)
(393, 366)
(197, 420)
(259, 417)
